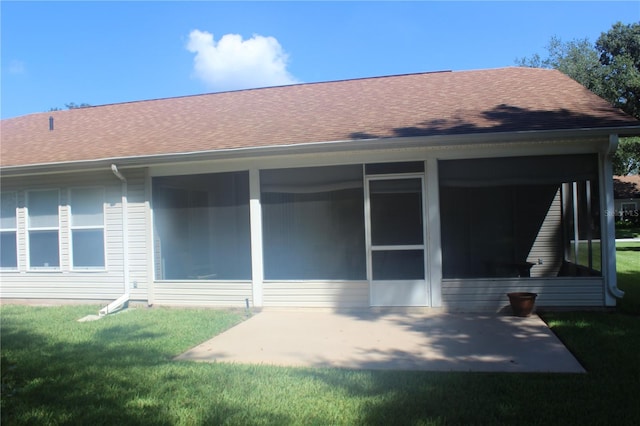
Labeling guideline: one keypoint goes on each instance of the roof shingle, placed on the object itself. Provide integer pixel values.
(626, 186)
(498, 100)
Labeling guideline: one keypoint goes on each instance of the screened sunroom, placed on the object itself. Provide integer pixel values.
(520, 217)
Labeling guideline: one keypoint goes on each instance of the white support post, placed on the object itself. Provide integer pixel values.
(256, 236)
(434, 244)
(607, 225)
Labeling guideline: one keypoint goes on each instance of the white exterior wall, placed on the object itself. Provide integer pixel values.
(139, 250)
(491, 294)
(317, 294)
(203, 293)
(110, 283)
(64, 283)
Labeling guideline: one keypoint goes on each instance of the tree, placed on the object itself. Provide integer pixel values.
(626, 161)
(611, 69)
(577, 58)
(70, 105)
(619, 50)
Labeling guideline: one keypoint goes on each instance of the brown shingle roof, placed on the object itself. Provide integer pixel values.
(626, 186)
(499, 100)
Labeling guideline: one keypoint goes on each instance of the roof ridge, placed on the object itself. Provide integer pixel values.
(250, 89)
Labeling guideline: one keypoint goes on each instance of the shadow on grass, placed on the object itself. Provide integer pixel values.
(115, 371)
(65, 382)
(628, 248)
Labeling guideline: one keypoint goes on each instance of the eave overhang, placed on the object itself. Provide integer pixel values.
(435, 142)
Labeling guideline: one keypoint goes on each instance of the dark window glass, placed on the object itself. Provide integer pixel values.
(8, 224)
(87, 227)
(390, 168)
(8, 250)
(44, 249)
(88, 248)
(396, 212)
(520, 217)
(202, 227)
(398, 264)
(313, 223)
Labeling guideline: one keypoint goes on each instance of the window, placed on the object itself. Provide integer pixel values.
(397, 233)
(8, 228)
(628, 210)
(202, 227)
(313, 223)
(43, 229)
(520, 217)
(87, 228)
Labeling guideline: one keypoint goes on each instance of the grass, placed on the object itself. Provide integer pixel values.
(119, 371)
(628, 267)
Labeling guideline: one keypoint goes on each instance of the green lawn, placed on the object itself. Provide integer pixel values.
(118, 370)
(628, 266)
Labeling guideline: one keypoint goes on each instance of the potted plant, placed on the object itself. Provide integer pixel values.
(522, 303)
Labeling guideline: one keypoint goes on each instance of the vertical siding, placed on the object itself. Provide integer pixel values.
(491, 294)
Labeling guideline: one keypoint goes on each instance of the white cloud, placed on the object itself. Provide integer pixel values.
(233, 63)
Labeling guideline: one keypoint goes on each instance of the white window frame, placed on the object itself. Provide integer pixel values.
(370, 246)
(13, 229)
(44, 228)
(73, 227)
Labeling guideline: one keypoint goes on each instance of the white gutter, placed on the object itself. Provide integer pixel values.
(122, 300)
(607, 223)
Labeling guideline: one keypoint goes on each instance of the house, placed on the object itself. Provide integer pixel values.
(626, 194)
(445, 189)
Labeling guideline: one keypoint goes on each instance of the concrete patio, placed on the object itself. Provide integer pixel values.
(424, 340)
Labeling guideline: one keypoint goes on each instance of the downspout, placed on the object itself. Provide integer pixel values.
(607, 222)
(122, 300)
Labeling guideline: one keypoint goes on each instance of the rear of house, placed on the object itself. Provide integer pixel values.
(435, 190)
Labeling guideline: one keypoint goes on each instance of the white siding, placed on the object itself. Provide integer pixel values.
(347, 294)
(139, 252)
(547, 250)
(202, 293)
(107, 284)
(491, 294)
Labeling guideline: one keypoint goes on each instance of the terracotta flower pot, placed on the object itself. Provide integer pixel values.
(522, 303)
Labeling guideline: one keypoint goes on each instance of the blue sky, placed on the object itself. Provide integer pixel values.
(54, 53)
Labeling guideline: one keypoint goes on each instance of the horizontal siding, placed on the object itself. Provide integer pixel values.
(138, 225)
(491, 295)
(547, 250)
(36, 285)
(347, 294)
(88, 285)
(202, 293)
